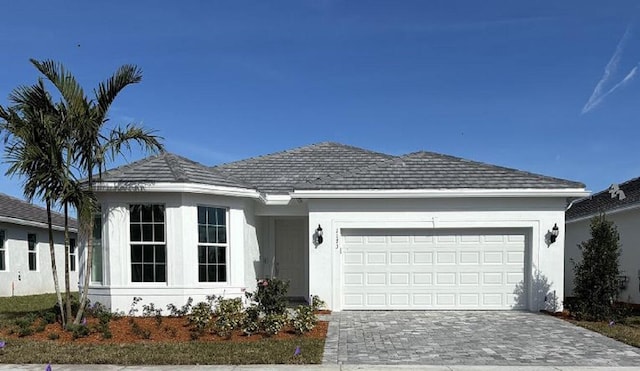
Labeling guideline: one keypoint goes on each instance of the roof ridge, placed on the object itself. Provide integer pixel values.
(31, 204)
(122, 168)
(178, 172)
(298, 149)
(462, 159)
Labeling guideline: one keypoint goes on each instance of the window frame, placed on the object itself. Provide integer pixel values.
(225, 245)
(152, 242)
(33, 252)
(97, 216)
(4, 256)
(72, 254)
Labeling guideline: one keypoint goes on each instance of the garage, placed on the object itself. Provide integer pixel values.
(439, 269)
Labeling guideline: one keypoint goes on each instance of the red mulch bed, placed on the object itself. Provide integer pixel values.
(172, 329)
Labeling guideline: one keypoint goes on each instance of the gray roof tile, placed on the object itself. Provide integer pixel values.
(279, 172)
(334, 166)
(603, 202)
(428, 170)
(11, 207)
(170, 168)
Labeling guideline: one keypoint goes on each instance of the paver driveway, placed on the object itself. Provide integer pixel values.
(468, 338)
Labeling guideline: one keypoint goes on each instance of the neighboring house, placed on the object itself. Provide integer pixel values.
(418, 231)
(621, 204)
(25, 260)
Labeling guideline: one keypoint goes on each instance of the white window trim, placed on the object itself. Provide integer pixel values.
(4, 250)
(34, 251)
(227, 246)
(166, 249)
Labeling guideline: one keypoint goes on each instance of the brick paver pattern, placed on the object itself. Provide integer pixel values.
(468, 338)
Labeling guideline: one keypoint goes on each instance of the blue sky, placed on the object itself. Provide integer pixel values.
(543, 86)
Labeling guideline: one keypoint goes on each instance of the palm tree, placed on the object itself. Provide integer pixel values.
(34, 144)
(93, 143)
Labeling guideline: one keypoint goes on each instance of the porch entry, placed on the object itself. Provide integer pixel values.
(291, 255)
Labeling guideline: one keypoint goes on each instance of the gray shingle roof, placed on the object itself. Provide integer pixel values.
(603, 202)
(279, 172)
(170, 168)
(334, 166)
(428, 170)
(11, 207)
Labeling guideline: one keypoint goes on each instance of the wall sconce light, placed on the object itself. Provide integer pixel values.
(554, 233)
(317, 236)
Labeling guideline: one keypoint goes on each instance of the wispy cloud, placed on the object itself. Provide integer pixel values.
(600, 92)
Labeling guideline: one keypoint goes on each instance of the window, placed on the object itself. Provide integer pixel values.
(148, 246)
(72, 255)
(3, 254)
(96, 246)
(33, 252)
(212, 244)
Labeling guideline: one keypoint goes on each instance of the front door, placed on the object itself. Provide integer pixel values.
(291, 249)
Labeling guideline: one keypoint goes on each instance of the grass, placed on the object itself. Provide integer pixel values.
(627, 332)
(265, 351)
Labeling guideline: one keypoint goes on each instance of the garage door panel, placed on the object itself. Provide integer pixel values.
(435, 269)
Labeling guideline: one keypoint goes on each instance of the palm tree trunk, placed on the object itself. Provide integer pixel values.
(67, 285)
(88, 232)
(54, 269)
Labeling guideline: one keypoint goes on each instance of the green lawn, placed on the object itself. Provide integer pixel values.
(258, 352)
(628, 332)
(264, 351)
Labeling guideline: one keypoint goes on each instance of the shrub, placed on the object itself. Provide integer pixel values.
(200, 316)
(183, 311)
(270, 296)
(596, 285)
(304, 319)
(133, 310)
(151, 311)
(251, 320)
(78, 331)
(229, 316)
(48, 316)
(53, 336)
(273, 323)
(317, 303)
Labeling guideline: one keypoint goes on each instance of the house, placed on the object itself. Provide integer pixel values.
(360, 229)
(620, 204)
(25, 260)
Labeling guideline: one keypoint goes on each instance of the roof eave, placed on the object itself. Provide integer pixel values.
(606, 212)
(441, 193)
(31, 223)
(176, 187)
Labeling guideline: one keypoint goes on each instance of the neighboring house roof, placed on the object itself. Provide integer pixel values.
(13, 210)
(334, 166)
(169, 168)
(604, 201)
(279, 172)
(428, 170)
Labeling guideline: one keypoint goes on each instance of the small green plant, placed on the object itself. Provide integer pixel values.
(317, 303)
(229, 316)
(25, 324)
(304, 319)
(41, 326)
(251, 321)
(270, 296)
(200, 316)
(48, 316)
(183, 311)
(53, 336)
(149, 310)
(273, 323)
(133, 309)
(78, 331)
(139, 331)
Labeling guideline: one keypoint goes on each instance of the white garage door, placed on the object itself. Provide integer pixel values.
(433, 269)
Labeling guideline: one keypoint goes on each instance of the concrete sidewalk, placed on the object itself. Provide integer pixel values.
(309, 367)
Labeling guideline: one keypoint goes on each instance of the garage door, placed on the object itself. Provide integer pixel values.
(433, 269)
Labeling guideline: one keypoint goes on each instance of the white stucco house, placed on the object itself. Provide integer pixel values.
(25, 260)
(620, 204)
(418, 231)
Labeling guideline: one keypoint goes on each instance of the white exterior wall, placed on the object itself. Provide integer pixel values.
(117, 290)
(627, 224)
(17, 279)
(537, 216)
